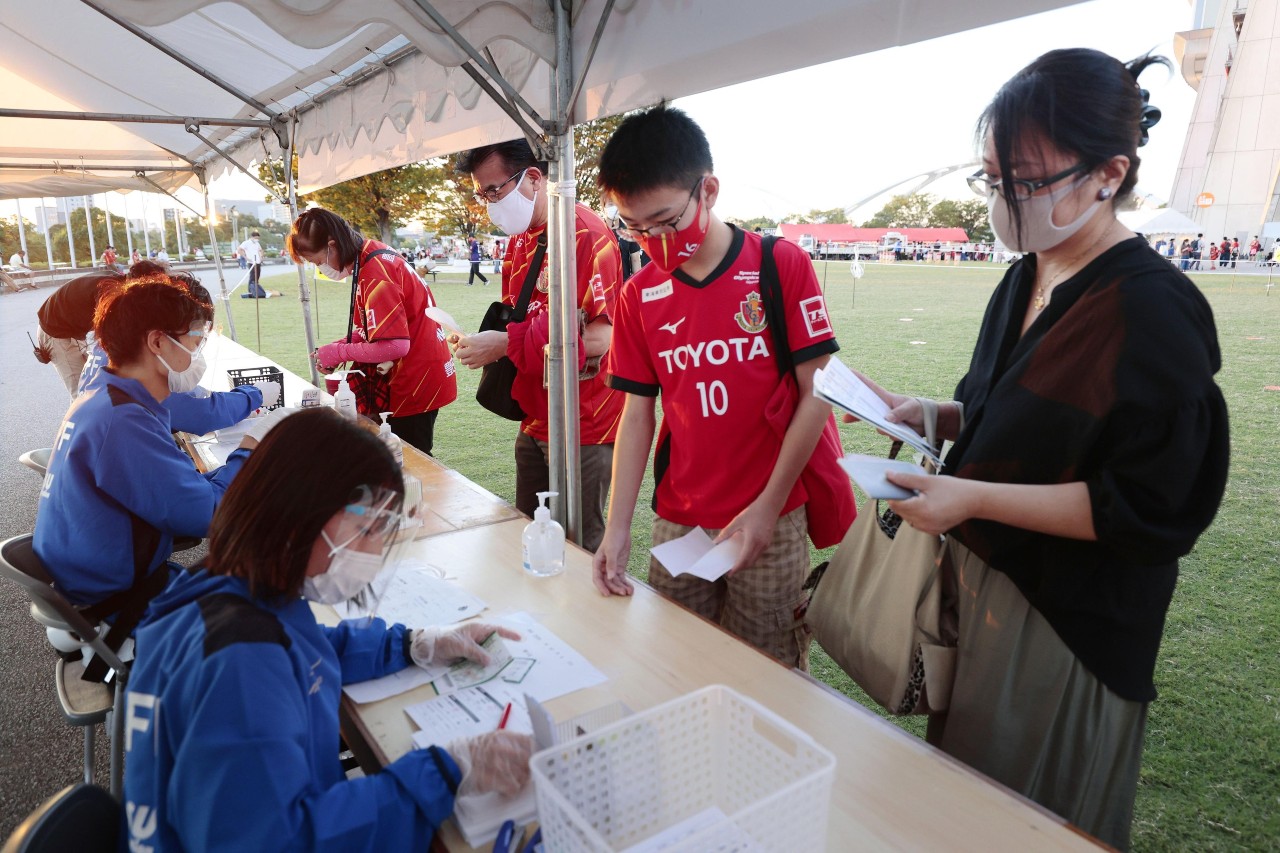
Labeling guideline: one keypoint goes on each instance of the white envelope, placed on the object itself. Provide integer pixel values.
(868, 472)
(695, 554)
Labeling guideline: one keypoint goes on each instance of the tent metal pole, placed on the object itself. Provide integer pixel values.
(143, 177)
(22, 231)
(128, 228)
(180, 58)
(88, 226)
(146, 227)
(533, 135)
(564, 339)
(217, 259)
(304, 292)
(71, 241)
(194, 130)
(85, 167)
(106, 208)
(132, 118)
(591, 52)
(43, 219)
(443, 23)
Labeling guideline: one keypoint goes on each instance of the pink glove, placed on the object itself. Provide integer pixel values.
(443, 645)
(494, 761)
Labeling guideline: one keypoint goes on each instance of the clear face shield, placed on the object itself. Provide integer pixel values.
(365, 550)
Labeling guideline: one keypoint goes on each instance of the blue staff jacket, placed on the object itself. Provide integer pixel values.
(118, 490)
(232, 730)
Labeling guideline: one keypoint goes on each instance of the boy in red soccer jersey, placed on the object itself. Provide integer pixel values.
(691, 326)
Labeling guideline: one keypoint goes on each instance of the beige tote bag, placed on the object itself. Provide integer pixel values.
(878, 610)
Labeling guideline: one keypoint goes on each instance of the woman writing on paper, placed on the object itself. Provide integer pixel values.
(233, 702)
(1090, 451)
(407, 366)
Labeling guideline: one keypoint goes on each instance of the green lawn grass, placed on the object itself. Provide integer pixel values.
(1211, 770)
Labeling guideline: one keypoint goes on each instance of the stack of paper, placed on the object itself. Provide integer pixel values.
(841, 387)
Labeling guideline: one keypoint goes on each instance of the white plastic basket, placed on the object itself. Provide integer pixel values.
(710, 771)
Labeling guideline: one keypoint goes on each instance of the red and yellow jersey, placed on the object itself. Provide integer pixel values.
(599, 268)
(706, 347)
(391, 302)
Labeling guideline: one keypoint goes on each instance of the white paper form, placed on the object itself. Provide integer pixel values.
(419, 598)
(694, 553)
(443, 318)
(841, 387)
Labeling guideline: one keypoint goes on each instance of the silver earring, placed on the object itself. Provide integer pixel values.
(1104, 193)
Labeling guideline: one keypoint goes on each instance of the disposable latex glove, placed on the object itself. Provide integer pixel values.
(443, 645)
(494, 761)
(270, 393)
(263, 425)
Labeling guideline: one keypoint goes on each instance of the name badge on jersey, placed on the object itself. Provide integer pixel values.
(660, 291)
(815, 316)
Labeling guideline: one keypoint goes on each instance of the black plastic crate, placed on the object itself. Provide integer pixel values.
(254, 375)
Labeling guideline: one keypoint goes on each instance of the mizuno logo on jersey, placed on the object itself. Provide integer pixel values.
(815, 316)
(714, 352)
(671, 327)
(751, 318)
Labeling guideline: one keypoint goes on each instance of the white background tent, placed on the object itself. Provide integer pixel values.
(1163, 220)
(361, 85)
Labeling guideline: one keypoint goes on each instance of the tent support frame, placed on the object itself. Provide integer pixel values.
(142, 177)
(194, 130)
(217, 258)
(304, 292)
(132, 118)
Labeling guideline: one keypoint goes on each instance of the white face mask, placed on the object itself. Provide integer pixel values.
(184, 381)
(1038, 231)
(514, 212)
(330, 272)
(348, 574)
(611, 212)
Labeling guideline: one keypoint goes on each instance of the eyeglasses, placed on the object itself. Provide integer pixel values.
(669, 227)
(984, 185)
(488, 195)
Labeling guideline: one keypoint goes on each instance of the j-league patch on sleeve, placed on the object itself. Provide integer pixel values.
(815, 316)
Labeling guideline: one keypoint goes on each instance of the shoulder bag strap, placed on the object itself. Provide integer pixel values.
(355, 285)
(530, 278)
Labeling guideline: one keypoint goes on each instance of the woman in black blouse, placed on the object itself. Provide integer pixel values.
(1090, 451)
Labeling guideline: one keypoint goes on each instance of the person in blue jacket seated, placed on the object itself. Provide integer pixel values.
(118, 490)
(199, 411)
(232, 710)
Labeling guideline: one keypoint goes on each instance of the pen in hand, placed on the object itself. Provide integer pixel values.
(506, 715)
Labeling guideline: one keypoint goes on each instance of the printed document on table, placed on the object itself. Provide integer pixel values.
(696, 554)
(841, 387)
(416, 598)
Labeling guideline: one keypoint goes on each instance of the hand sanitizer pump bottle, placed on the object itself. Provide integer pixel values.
(390, 439)
(543, 541)
(345, 400)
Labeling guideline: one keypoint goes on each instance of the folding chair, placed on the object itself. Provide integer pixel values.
(19, 563)
(80, 817)
(37, 460)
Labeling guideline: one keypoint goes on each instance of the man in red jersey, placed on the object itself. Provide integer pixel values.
(513, 184)
(692, 327)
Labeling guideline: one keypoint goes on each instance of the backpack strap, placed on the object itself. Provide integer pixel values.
(771, 295)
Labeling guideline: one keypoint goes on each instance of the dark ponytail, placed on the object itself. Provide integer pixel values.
(1082, 101)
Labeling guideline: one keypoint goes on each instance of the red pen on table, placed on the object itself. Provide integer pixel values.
(506, 715)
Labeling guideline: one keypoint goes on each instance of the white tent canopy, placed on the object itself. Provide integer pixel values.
(379, 83)
(1161, 220)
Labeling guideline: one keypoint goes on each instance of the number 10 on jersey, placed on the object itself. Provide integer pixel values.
(715, 398)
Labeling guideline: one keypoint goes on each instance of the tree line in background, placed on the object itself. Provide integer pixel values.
(434, 193)
(918, 210)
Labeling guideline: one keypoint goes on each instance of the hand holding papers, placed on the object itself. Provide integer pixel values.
(695, 554)
(840, 386)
